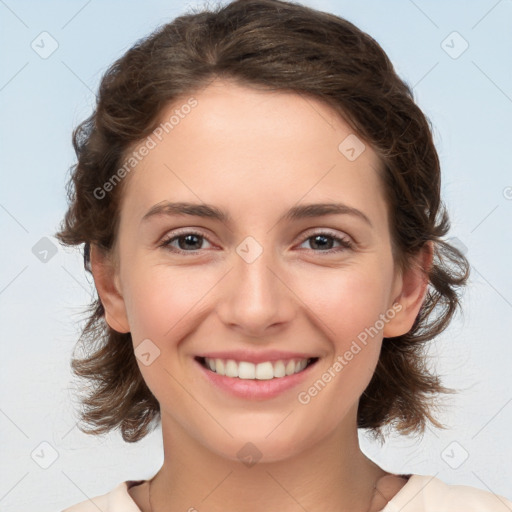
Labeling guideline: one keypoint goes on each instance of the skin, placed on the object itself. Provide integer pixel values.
(256, 154)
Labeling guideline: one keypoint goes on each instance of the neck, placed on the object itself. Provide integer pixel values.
(332, 474)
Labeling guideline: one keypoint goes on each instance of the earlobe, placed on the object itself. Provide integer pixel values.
(106, 280)
(413, 284)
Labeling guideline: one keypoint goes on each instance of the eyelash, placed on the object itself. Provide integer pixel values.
(345, 243)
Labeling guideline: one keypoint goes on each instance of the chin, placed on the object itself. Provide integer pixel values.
(266, 445)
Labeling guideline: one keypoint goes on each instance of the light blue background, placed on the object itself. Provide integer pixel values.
(469, 101)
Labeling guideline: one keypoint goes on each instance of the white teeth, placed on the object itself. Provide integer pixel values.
(231, 368)
(261, 371)
(264, 371)
(300, 365)
(279, 369)
(246, 370)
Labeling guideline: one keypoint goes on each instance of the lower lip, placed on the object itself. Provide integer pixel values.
(254, 389)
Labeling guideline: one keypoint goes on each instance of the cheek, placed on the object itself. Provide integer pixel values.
(151, 303)
(163, 305)
(346, 308)
(167, 304)
(344, 302)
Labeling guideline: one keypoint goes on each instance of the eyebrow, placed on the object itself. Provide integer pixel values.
(167, 208)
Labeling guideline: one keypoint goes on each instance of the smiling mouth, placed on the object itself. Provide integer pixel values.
(246, 370)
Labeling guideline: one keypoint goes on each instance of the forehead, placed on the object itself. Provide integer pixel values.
(242, 147)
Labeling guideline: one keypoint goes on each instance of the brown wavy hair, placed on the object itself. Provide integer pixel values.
(274, 45)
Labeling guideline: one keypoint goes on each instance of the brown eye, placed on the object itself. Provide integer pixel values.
(185, 242)
(324, 242)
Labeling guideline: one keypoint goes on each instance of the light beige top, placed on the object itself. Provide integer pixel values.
(421, 493)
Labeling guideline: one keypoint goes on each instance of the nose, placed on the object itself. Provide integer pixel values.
(255, 298)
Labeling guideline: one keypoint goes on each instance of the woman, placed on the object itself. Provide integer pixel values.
(259, 199)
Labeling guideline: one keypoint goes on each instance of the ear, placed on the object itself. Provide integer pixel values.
(106, 280)
(409, 293)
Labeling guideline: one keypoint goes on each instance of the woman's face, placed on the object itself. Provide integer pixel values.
(267, 280)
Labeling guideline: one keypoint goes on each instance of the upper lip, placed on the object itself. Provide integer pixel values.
(257, 357)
